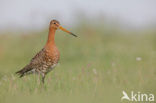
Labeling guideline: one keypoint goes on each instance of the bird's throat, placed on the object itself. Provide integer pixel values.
(51, 37)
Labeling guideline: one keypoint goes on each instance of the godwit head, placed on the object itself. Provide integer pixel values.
(54, 24)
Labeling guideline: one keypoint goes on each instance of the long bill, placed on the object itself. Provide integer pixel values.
(63, 29)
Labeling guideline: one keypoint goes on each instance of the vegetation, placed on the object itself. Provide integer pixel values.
(94, 68)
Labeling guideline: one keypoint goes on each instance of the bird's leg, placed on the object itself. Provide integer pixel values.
(43, 77)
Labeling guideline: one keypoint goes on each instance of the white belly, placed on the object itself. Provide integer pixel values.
(52, 67)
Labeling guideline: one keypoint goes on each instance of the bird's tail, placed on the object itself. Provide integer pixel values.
(24, 71)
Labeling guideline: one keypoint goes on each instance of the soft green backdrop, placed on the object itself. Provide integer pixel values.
(94, 68)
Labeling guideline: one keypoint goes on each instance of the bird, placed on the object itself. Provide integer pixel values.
(48, 57)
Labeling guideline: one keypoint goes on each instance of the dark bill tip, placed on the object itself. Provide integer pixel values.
(73, 34)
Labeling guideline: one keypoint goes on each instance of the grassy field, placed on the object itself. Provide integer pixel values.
(94, 68)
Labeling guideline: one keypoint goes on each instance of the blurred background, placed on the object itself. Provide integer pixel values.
(115, 49)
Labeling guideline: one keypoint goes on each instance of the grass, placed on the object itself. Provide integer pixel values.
(94, 68)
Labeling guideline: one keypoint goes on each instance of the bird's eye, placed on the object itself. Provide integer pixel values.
(54, 23)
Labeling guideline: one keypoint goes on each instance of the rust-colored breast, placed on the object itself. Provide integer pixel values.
(45, 60)
(52, 55)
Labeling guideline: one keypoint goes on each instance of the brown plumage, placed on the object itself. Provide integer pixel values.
(48, 57)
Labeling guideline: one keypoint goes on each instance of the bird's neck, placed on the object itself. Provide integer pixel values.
(51, 37)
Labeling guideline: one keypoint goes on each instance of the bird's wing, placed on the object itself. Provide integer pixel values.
(38, 59)
(36, 62)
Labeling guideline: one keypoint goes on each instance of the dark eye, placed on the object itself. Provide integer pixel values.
(54, 23)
